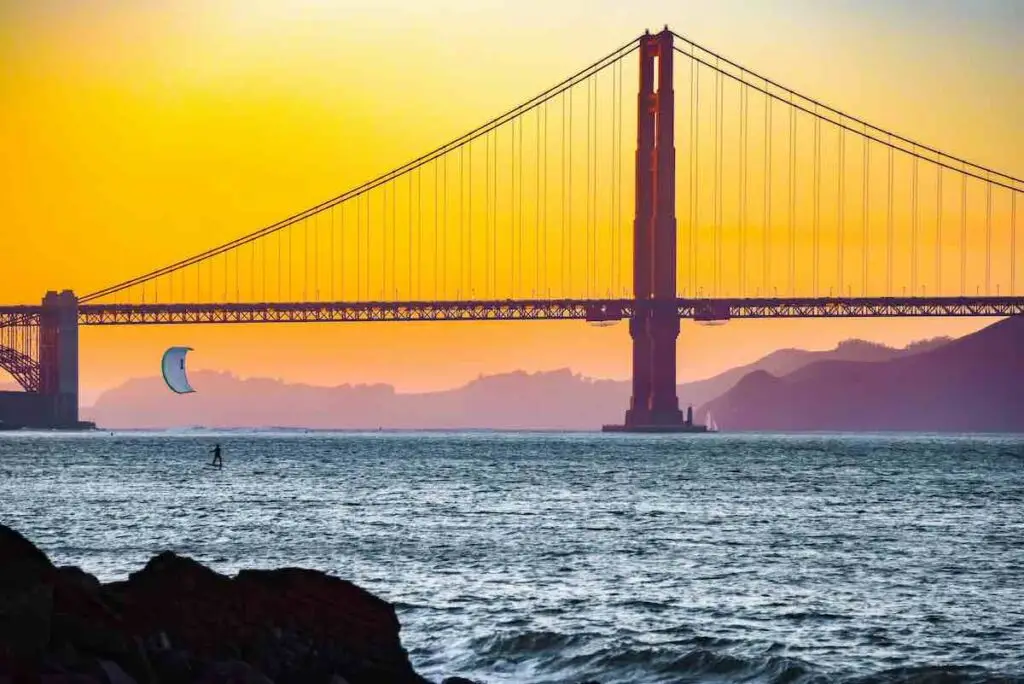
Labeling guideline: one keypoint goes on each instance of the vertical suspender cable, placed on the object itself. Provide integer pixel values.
(865, 213)
(988, 239)
(587, 246)
(330, 265)
(316, 256)
(792, 197)
(694, 171)
(409, 247)
(963, 234)
(437, 242)
(545, 284)
(519, 213)
(1013, 243)
(816, 237)
(536, 199)
(341, 255)
(419, 232)
(613, 222)
(841, 220)
(512, 213)
(741, 251)
(593, 198)
(462, 225)
(444, 226)
(618, 184)
(561, 193)
(468, 238)
(938, 231)
(889, 226)
(569, 208)
(394, 239)
(913, 226)
(487, 213)
(719, 166)
(766, 237)
(360, 257)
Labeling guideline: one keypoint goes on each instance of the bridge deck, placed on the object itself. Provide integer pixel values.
(596, 310)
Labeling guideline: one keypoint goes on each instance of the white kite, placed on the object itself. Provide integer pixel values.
(174, 370)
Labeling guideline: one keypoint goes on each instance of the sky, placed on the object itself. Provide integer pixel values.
(136, 133)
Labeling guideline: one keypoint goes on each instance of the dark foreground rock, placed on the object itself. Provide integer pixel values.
(178, 622)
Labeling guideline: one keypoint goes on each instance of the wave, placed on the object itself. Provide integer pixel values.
(547, 656)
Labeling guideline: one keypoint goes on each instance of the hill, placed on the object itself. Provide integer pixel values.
(557, 400)
(970, 384)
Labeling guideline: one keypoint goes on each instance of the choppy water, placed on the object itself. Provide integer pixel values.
(550, 558)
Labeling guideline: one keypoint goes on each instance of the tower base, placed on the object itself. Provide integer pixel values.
(676, 427)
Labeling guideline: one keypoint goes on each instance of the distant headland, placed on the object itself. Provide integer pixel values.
(967, 384)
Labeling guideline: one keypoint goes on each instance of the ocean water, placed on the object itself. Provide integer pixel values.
(558, 558)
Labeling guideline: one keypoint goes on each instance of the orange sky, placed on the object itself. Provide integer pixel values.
(138, 133)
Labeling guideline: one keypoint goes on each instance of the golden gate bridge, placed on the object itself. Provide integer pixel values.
(702, 190)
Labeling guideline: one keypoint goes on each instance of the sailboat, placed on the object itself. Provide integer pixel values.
(710, 423)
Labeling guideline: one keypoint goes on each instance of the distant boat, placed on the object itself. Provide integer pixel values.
(710, 423)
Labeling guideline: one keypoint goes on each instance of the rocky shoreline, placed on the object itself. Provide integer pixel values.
(176, 621)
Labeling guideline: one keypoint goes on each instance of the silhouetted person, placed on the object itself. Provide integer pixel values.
(216, 457)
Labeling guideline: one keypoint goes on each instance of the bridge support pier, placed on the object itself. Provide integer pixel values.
(654, 327)
(58, 358)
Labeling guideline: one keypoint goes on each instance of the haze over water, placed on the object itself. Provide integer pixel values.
(548, 558)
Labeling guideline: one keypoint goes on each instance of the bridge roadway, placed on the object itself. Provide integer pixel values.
(594, 310)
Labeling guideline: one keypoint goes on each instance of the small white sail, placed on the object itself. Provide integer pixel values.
(173, 366)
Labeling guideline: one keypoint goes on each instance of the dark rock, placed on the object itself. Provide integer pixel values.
(232, 672)
(169, 571)
(173, 666)
(18, 553)
(114, 673)
(25, 621)
(457, 680)
(177, 621)
(76, 576)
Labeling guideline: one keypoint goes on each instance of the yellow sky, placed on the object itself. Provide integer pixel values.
(136, 133)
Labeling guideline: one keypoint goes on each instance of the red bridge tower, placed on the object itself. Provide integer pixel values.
(654, 326)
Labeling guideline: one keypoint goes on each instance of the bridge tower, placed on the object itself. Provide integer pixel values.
(654, 326)
(58, 357)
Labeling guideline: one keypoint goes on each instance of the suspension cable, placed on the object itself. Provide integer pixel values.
(885, 137)
(601, 64)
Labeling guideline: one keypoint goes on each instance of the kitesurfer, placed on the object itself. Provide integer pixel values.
(216, 457)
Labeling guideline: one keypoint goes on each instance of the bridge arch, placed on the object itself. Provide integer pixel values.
(22, 367)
